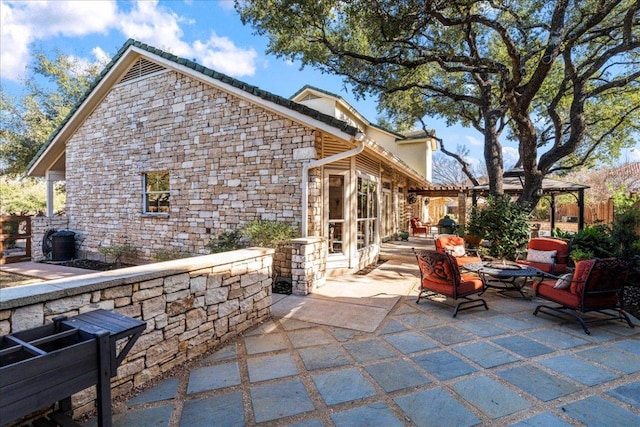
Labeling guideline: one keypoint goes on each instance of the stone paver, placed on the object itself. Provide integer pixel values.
(490, 397)
(421, 367)
(596, 411)
(323, 357)
(226, 409)
(410, 342)
(434, 408)
(443, 365)
(213, 377)
(628, 393)
(343, 386)
(273, 401)
(579, 370)
(537, 382)
(374, 415)
(271, 367)
(485, 354)
(396, 375)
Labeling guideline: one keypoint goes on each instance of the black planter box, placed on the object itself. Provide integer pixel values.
(46, 365)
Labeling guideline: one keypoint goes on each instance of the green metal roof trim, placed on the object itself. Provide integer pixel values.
(253, 90)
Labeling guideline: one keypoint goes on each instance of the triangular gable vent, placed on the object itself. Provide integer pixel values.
(142, 67)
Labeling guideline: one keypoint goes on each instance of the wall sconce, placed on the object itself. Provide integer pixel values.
(539, 192)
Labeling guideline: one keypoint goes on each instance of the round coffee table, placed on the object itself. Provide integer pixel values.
(504, 275)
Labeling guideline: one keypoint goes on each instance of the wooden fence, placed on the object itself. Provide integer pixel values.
(15, 239)
(593, 212)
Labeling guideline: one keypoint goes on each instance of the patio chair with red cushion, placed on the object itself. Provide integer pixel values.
(547, 254)
(596, 286)
(417, 228)
(455, 245)
(440, 275)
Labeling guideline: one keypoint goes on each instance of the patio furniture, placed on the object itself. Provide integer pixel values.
(506, 276)
(596, 286)
(455, 245)
(418, 228)
(547, 254)
(439, 275)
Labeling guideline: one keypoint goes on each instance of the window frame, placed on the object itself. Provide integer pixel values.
(368, 236)
(160, 210)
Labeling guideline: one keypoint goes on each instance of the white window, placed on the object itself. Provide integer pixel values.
(156, 192)
(367, 212)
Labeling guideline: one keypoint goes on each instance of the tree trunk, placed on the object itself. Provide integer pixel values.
(493, 155)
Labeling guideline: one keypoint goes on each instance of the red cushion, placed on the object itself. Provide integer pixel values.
(549, 244)
(585, 275)
(462, 260)
(559, 268)
(443, 241)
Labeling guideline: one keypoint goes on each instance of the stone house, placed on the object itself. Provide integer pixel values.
(164, 153)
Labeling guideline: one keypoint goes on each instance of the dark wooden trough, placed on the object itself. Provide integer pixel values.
(44, 366)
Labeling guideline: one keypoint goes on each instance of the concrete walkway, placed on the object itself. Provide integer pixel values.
(43, 271)
(415, 366)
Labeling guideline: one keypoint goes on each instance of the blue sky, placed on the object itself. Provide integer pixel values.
(207, 31)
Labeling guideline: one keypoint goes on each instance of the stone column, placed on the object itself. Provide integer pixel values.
(308, 264)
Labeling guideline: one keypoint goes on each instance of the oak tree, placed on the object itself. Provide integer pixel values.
(560, 76)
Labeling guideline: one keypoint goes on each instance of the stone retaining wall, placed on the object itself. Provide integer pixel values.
(190, 306)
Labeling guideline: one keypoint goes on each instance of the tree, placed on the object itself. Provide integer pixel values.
(447, 170)
(28, 122)
(561, 77)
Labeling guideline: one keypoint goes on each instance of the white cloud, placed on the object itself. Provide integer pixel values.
(221, 54)
(473, 141)
(631, 155)
(26, 22)
(510, 156)
(148, 21)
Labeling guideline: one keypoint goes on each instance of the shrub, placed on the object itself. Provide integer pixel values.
(168, 254)
(503, 223)
(117, 252)
(268, 233)
(225, 241)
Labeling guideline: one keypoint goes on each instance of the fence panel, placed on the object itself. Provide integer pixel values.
(15, 239)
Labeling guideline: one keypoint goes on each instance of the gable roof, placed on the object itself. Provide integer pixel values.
(119, 68)
(131, 51)
(409, 135)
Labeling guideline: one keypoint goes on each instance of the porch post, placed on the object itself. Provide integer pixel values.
(52, 177)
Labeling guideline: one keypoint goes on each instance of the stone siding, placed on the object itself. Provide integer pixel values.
(230, 162)
(190, 306)
(39, 226)
(309, 264)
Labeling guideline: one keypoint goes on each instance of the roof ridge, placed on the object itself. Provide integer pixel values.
(250, 89)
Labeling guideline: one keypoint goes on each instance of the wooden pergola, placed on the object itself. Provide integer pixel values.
(513, 181)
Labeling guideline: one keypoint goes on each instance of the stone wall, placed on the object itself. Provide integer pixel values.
(39, 226)
(190, 306)
(309, 264)
(230, 162)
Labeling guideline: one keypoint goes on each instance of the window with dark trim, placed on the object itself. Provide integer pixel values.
(156, 192)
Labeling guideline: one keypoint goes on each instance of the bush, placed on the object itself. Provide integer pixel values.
(225, 241)
(117, 252)
(268, 234)
(503, 223)
(169, 254)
